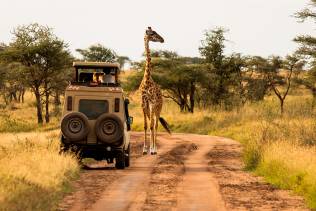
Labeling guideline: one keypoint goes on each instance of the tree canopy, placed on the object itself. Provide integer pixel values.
(43, 57)
(98, 53)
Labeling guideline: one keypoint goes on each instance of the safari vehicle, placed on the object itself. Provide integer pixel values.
(95, 120)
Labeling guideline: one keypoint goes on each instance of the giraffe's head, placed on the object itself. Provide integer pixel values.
(153, 36)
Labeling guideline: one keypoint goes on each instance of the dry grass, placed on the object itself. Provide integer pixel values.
(291, 166)
(282, 149)
(21, 117)
(33, 175)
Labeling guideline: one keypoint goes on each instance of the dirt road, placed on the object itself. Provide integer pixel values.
(191, 172)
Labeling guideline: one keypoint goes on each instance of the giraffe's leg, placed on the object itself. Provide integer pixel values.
(145, 130)
(155, 134)
(152, 130)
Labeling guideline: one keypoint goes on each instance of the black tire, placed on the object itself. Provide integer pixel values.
(75, 126)
(127, 156)
(120, 160)
(109, 129)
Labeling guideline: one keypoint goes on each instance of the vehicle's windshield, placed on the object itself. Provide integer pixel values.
(97, 75)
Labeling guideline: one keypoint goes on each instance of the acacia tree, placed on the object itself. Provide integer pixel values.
(98, 53)
(277, 79)
(2, 73)
(224, 86)
(212, 49)
(307, 42)
(178, 77)
(58, 85)
(56, 78)
(308, 49)
(42, 55)
(12, 85)
(308, 12)
(235, 65)
(256, 81)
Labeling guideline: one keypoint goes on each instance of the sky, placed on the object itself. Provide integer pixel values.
(256, 27)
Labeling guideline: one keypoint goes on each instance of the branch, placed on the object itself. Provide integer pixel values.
(172, 98)
(305, 14)
(289, 81)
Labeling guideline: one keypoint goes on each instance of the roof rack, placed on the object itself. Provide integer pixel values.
(95, 64)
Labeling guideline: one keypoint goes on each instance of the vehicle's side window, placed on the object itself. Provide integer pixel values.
(128, 118)
(93, 108)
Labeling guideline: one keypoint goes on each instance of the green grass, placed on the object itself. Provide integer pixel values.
(291, 167)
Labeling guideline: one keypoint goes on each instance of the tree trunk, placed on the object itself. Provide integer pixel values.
(182, 105)
(46, 104)
(57, 101)
(22, 95)
(38, 105)
(314, 98)
(4, 95)
(192, 93)
(47, 108)
(14, 96)
(313, 101)
(5, 99)
(282, 106)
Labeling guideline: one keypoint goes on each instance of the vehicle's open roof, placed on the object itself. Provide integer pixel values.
(95, 64)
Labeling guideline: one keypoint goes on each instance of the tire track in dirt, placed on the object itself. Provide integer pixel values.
(219, 184)
(209, 178)
(165, 176)
(95, 179)
(129, 191)
(199, 190)
(242, 190)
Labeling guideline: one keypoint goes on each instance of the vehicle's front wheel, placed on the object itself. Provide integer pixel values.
(127, 156)
(120, 160)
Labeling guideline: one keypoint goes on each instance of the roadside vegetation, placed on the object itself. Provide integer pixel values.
(33, 175)
(267, 104)
(280, 148)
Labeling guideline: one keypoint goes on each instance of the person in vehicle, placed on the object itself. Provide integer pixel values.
(97, 77)
(108, 77)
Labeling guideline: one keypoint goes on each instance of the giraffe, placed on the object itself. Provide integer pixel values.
(151, 96)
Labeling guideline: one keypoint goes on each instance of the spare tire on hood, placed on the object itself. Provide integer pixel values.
(109, 129)
(75, 126)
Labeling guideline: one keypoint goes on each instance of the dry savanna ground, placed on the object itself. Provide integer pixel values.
(281, 149)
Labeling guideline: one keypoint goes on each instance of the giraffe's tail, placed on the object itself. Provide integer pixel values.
(165, 124)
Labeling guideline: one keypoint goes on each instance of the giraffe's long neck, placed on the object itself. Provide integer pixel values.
(147, 74)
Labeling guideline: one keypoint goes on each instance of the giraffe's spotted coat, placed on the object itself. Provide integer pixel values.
(150, 94)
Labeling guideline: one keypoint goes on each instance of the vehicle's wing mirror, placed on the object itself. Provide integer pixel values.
(130, 120)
